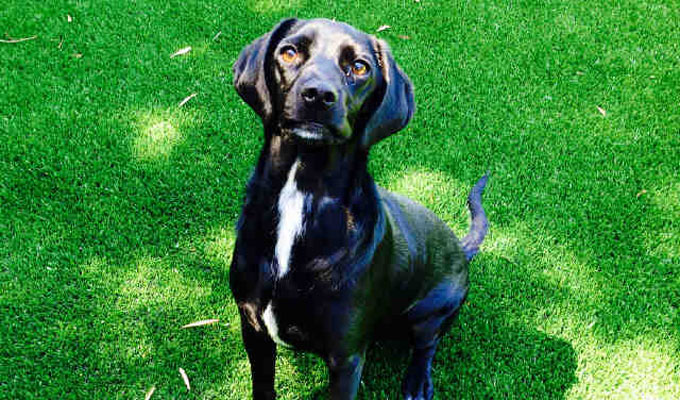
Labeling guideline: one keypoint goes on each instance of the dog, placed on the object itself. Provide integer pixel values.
(325, 259)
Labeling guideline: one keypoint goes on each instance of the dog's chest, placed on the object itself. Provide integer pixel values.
(272, 324)
(311, 228)
(289, 315)
(290, 206)
(290, 326)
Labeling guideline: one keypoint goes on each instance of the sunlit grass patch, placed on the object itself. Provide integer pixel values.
(156, 281)
(146, 282)
(148, 300)
(643, 368)
(157, 136)
(219, 245)
(272, 6)
(158, 132)
(436, 190)
(666, 241)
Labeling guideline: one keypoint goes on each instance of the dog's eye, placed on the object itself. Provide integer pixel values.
(289, 54)
(359, 68)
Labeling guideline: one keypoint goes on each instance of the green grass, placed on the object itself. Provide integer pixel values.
(117, 207)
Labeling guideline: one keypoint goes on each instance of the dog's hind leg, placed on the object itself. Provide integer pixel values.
(429, 319)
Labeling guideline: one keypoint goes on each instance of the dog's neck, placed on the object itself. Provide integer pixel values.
(330, 171)
(315, 207)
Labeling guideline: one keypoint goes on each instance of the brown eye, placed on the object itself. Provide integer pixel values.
(288, 54)
(359, 68)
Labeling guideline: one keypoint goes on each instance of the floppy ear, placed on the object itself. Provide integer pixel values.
(396, 107)
(252, 73)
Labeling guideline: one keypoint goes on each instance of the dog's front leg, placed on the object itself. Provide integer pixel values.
(344, 374)
(261, 351)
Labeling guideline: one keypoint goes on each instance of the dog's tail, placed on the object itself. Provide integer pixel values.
(479, 225)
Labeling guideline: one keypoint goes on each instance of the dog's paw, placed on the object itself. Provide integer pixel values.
(417, 385)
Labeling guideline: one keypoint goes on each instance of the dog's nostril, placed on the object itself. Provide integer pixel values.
(328, 98)
(310, 94)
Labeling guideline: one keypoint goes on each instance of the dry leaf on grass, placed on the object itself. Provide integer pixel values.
(640, 193)
(404, 37)
(217, 35)
(602, 111)
(150, 393)
(9, 40)
(201, 323)
(186, 99)
(185, 378)
(181, 52)
(383, 28)
(69, 18)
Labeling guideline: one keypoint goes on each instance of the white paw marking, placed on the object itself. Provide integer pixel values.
(291, 202)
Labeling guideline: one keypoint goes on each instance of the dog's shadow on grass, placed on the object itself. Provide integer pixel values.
(470, 365)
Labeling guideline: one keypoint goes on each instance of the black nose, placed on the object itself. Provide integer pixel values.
(319, 94)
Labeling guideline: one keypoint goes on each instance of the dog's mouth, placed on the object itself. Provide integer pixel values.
(311, 132)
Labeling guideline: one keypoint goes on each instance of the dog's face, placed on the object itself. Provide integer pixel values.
(325, 72)
(324, 82)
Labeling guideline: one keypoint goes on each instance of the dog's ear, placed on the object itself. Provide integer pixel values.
(396, 106)
(253, 76)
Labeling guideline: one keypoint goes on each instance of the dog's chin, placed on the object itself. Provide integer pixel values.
(312, 133)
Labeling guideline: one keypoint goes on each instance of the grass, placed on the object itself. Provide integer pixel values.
(117, 207)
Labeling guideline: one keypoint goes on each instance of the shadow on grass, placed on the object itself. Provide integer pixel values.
(496, 357)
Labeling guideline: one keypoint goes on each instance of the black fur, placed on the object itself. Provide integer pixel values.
(366, 258)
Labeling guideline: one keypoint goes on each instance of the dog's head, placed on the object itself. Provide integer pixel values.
(324, 82)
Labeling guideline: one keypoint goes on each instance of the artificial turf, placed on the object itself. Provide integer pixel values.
(117, 206)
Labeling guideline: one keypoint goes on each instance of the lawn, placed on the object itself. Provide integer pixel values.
(117, 206)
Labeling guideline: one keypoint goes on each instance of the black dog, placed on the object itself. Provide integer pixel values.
(324, 258)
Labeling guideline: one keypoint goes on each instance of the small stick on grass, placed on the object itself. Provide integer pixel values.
(201, 323)
(186, 99)
(18, 40)
(150, 393)
(185, 378)
(181, 52)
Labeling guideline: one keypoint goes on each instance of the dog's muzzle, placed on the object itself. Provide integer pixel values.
(311, 132)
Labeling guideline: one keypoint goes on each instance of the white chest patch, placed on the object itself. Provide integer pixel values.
(272, 328)
(291, 202)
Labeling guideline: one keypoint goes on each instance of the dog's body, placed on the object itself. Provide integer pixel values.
(324, 258)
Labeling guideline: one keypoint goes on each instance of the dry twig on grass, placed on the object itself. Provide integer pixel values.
(185, 378)
(150, 393)
(186, 99)
(181, 52)
(201, 323)
(18, 40)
